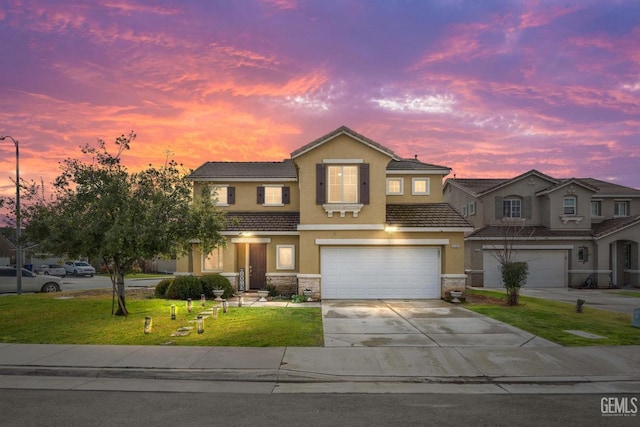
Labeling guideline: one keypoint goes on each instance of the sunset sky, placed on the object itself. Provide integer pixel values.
(488, 88)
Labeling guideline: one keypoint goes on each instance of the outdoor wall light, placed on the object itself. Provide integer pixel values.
(189, 304)
(390, 228)
(173, 312)
(200, 322)
(202, 300)
(147, 325)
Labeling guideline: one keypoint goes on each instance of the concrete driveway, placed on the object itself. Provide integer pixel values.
(416, 323)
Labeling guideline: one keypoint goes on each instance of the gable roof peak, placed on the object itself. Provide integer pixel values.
(343, 130)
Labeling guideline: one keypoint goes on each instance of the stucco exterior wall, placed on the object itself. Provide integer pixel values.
(435, 188)
(246, 195)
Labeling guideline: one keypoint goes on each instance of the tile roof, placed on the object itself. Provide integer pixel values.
(263, 221)
(412, 164)
(606, 188)
(537, 231)
(425, 215)
(342, 130)
(230, 170)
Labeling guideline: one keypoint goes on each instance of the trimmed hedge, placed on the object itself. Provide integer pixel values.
(184, 287)
(162, 286)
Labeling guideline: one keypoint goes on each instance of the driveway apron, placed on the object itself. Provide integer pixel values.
(416, 323)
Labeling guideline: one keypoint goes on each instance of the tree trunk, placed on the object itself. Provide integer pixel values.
(119, 285)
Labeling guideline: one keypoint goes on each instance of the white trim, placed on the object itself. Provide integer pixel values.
(331, 227)
(533, 247)
(395, 178)
(243, 179)
(420, 193)
(230, 274)
(383, 242)
(453, 276)
(260, 233)
(418, 172)
(627, 270)
(251, 240)
(279, 274)
(525, 239)
(342, 161)
(435, 229)
(309, 276)
(342, 209)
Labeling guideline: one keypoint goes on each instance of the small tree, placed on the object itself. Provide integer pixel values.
(514, 273)
(109, 214)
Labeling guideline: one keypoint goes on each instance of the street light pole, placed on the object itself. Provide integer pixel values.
(18, 219)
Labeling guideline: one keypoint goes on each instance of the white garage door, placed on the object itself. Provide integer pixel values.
(547, 268)
(380, 272)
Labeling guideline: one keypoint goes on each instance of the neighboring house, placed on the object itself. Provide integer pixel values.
(7, 251)
(344, 217)
(567, 229)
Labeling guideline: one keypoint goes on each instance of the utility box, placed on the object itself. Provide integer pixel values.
(635, 320)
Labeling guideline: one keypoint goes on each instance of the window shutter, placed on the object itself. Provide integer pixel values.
(321, 191)
(286, 198)
(499, 208)
(260, 196)
(231, 195)
(364, 183)
(528, 208)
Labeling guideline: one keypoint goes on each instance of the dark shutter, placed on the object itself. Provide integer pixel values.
(528, 208)
(260, 198)
(364, 183)
(499, 208)
(286, 198)
(231, 195)
(321, 190)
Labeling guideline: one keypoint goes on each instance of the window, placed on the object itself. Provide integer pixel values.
(286, 257)
(596, 208)
(583, 254)
(472, 208)
(620, 208)
(395, 186)
(569, 205)
(512, 208)
(272, 195)
(219, 195)
(420, 186)
(464, 211)
(213, 262)
(343, 184)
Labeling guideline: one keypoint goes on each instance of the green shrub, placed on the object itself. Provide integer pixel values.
(514, 275)
(216, 281)
(184, 287)
(162, 286)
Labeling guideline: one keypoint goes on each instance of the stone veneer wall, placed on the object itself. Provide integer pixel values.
(309, 281)
(285, 283)
(452, 282)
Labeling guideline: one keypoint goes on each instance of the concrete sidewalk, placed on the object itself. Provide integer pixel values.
(603, 370)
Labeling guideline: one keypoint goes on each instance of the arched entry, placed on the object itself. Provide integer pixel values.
(624, 263)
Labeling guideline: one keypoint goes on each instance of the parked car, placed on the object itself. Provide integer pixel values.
(30, 282)
(51, 270)
(79, 268)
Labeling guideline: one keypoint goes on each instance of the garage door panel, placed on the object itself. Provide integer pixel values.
(385, 272)
(547, 268)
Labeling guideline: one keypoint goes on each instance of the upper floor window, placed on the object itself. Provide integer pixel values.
(420, 186)
(621, 208)
(596, 208)
(343, 184)
(223, 195)
(569, 205)
(273, 195)
(472, 208)
(395, 186)
(512, 208)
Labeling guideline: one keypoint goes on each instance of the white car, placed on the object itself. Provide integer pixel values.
(51, 270)
(30, 282)
(79, 268)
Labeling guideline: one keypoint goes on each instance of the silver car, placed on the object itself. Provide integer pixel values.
(30, 282)
(79, 268)
(51, 270)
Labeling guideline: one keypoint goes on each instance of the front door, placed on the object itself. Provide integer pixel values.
(257, 265)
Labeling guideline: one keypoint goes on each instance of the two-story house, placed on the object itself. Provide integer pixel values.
(344, 217)
(566, 229)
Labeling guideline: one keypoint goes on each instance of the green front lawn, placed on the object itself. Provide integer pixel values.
(549, 319)
(86, 319)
